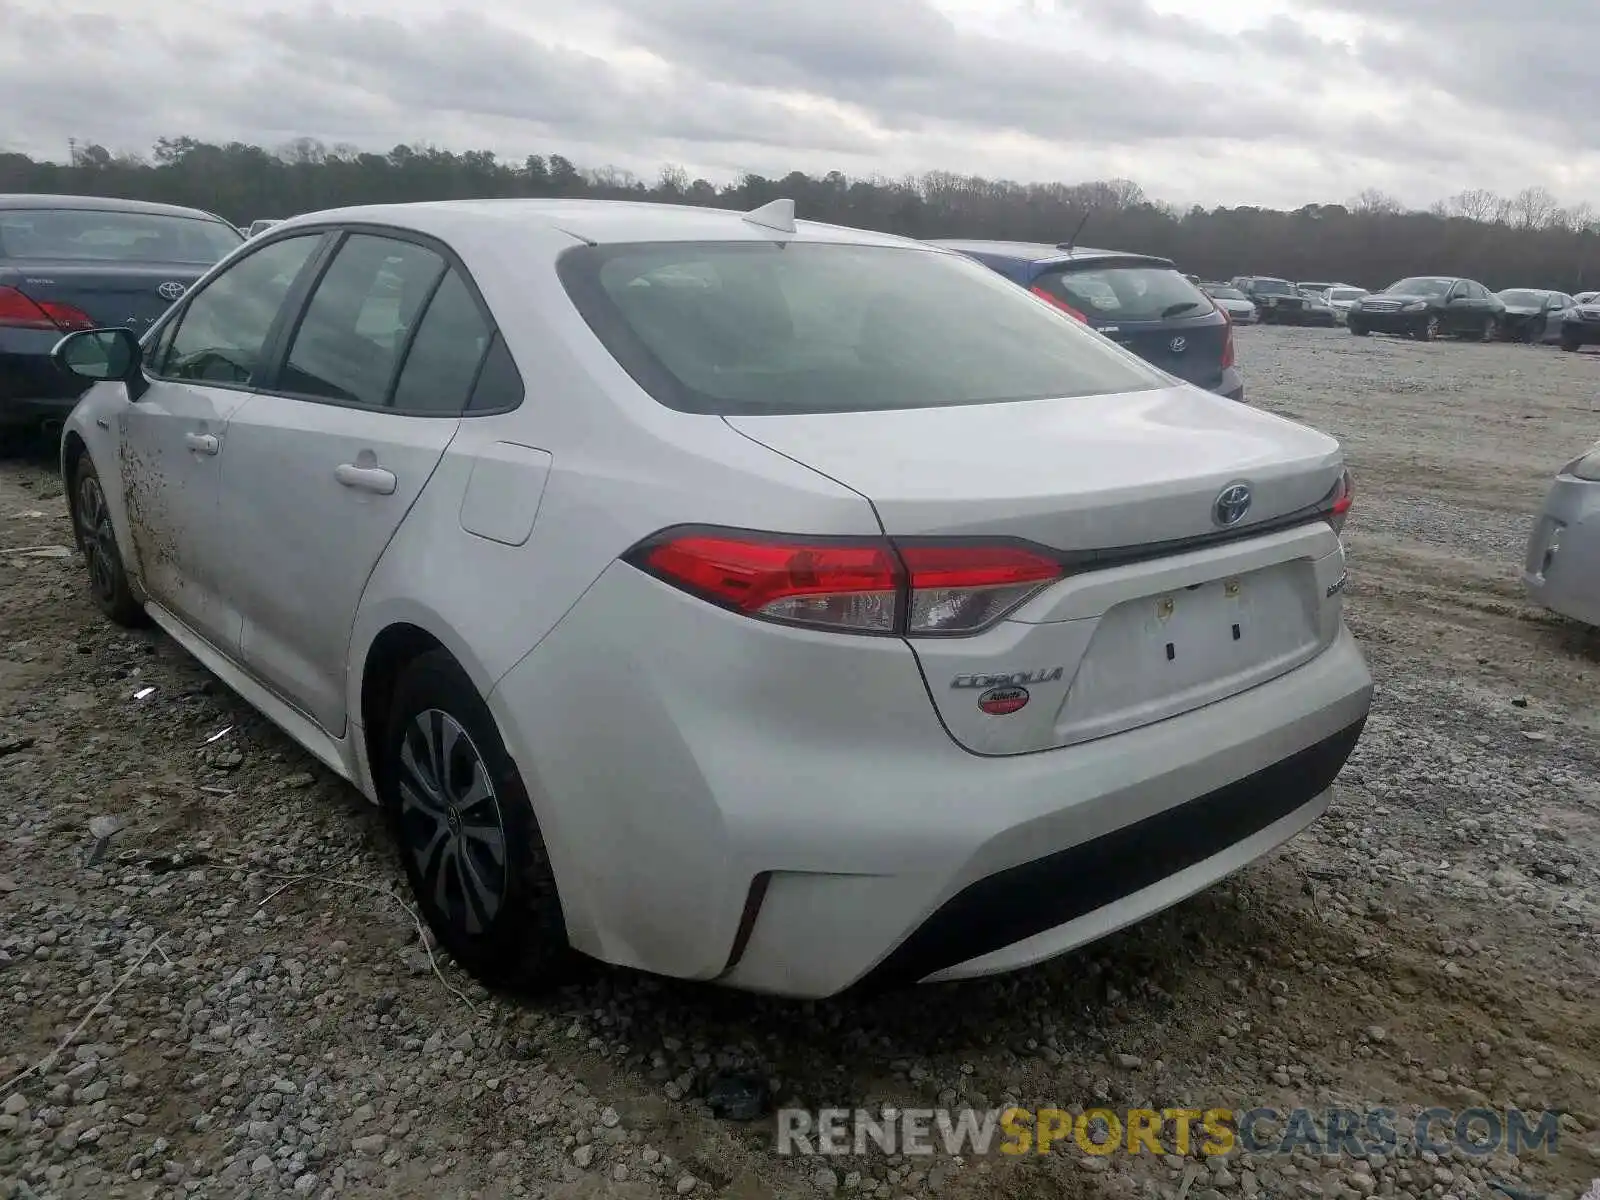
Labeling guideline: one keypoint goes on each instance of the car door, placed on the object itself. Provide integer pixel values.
(202, 364)
(324, 465)
(1459, 312)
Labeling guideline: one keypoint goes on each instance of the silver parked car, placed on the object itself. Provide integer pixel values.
(1341, 297)
(1562, 571)
(727, 596)
(1240, 308)
(1533, 314)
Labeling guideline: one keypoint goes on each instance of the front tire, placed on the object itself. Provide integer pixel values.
(1428, 330)
(97, 541)
(1534, 332)
(1359, 331)
(1570, 345)
(469, 840)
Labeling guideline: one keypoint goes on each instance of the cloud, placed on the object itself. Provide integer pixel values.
(1272, 102)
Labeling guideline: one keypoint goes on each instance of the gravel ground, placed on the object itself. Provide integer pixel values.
(208, 923)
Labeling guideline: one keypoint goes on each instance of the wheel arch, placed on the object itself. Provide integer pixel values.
(73, 451)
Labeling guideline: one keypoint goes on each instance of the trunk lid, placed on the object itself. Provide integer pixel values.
(1172, 612)
(111, 293)
(1190, 349)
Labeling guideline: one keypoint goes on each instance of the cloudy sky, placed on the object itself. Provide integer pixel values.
(1276, 102)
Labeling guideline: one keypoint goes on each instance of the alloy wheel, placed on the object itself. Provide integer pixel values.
(451, 822)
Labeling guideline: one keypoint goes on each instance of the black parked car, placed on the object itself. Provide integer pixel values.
(1144, 303)
(1580, 325)
(1430, 306)
(77, 262)
(1277, 300)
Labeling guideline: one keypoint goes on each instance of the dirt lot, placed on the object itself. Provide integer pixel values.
(275, 1026)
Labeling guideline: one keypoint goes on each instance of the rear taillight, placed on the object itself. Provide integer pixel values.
(1059, 303)
(1227, 339)
(867, 585)
(1338, 501)
(19, 311)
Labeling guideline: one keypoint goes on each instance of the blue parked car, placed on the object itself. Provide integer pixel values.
(1145, 303)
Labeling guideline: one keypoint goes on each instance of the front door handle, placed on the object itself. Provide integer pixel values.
(202, 443)
(366, 479)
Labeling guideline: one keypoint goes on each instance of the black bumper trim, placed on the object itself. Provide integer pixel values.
(1024, 900)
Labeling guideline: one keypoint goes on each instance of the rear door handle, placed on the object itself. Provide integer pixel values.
(202, 443)
(366, 479)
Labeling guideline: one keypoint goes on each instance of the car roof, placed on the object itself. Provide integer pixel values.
(599, 222)
(15, 200)
(1042, 252)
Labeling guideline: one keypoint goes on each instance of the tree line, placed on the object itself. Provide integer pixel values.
(1526, 240)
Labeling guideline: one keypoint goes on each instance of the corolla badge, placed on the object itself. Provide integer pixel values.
(171, 290)
(1232, 504)
(1179, 345)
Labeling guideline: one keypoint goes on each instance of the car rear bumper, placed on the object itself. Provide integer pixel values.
(32, 388)
(1231, 385)
(780, 810)
(1562, 568)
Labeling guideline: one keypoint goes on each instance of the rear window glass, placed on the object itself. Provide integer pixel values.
(1273, 287)
(1127, 293)
(95, 236)
(804, 327)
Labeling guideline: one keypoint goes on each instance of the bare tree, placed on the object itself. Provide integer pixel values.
(1475, 204)
(1533, 207)
(1373, 201)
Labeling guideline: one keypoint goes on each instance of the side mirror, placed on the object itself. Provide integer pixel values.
(100, 355)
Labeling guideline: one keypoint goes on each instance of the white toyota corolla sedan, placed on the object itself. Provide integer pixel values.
(732, 598)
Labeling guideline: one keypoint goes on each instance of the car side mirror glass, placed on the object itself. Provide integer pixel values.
(97, 354)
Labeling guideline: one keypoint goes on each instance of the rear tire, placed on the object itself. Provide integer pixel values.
(468, 836)
(97, 542)
(1570, 345)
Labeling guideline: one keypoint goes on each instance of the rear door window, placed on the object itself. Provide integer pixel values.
(446, 353)
(354, 328)
(1127, 293)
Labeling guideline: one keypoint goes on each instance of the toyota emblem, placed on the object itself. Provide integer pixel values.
(1179, 345)
(171, 290)
(1232, 504)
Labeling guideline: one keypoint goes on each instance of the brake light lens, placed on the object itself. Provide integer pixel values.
(20, 311)
(867, 585)
(1338, 502)
(1043, 294)
(1227, 339)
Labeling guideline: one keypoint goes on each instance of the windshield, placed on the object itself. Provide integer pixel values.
(1420, 286)
(1522, 297)
(88, 234)
(1274, 287)
(1127, 293)
(804, 327)
(1228, 294)
(1345, 293)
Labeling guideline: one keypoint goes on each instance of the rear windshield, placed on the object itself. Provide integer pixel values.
(1127, 293)
(95, 236)
(805, 327)
(1274, 287)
